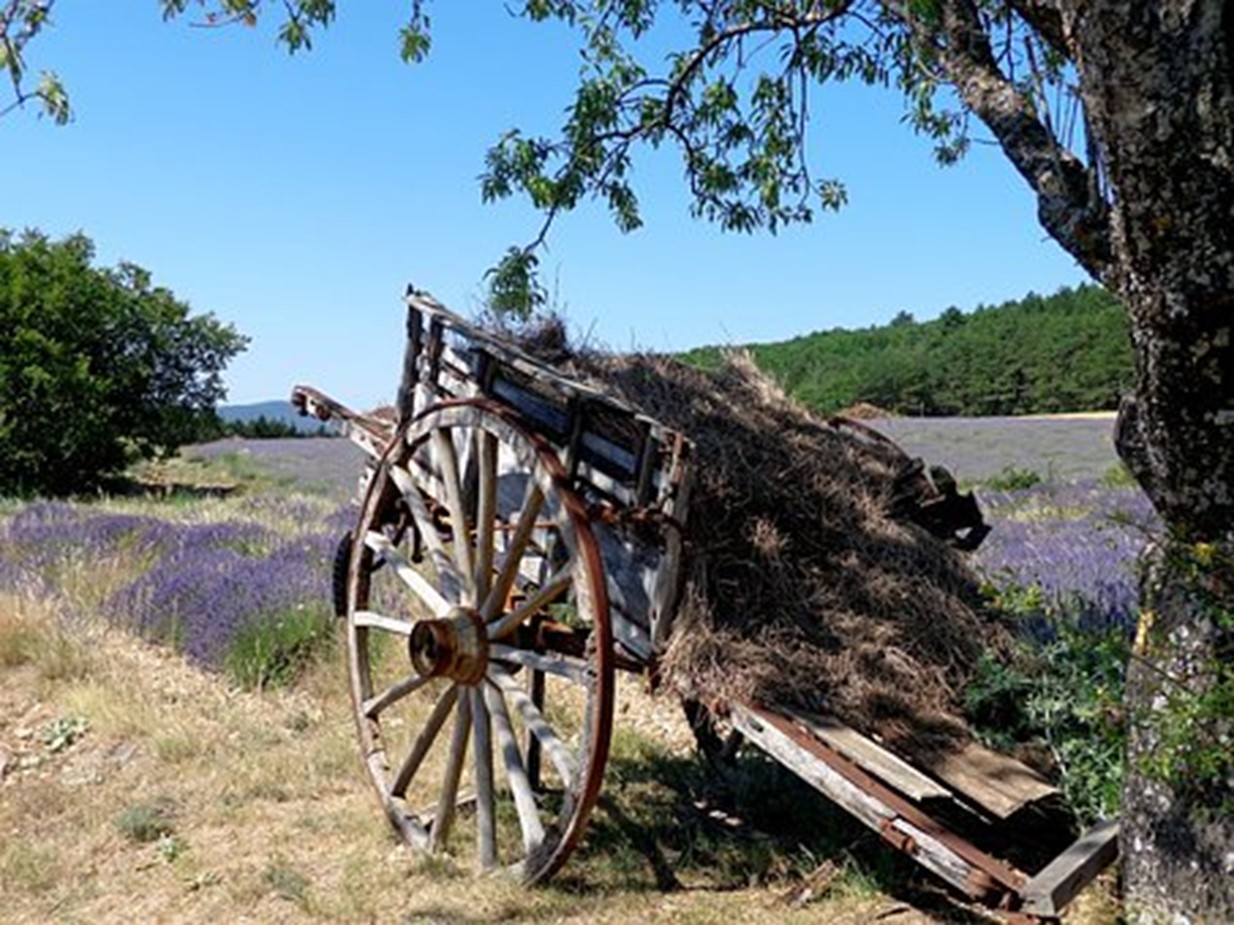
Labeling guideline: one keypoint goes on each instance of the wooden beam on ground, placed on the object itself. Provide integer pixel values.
(959, 863)
(1058, 883)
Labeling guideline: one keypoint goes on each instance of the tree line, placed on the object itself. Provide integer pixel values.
(263, 427)
(1069, 351)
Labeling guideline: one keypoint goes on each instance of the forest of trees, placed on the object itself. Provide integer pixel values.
(1041, 354)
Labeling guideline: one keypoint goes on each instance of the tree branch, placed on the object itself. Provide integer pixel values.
(1067, 206)
(1046, 20)
(779, 21)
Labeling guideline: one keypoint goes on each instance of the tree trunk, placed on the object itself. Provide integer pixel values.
(1178, 803)
(1158, 89)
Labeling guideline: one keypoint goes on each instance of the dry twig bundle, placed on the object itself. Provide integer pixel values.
(801, 588)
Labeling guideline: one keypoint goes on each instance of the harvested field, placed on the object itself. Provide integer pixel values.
(1059, 448)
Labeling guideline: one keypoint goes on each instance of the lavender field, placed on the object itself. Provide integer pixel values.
(327, 466)
(239, 583)
(1059, 448)
(198, 575)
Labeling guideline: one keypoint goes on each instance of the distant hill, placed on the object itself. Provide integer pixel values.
(276, 410)
(1070, 351)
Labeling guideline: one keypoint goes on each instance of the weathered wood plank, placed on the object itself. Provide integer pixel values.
(997, 783)
(872, 757)
(929, 851)
(1062, 879)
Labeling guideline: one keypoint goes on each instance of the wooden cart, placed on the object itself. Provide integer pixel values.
(519, 541)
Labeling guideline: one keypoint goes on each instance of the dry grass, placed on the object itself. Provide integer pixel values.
(805, 585)
(266, 816)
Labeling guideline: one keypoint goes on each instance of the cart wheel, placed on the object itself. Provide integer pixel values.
(483, 643)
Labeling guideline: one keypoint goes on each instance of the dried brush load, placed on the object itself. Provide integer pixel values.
(808, 583)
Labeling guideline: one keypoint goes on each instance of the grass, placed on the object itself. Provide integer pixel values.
(148, 821)
(269, 818)
(166, 792)
(276, 650)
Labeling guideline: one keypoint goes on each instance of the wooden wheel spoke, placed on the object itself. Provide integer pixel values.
(455, 473)
(516, 773)
(447, 458)
(446, 804)
(392, 694)
(482, 746)
(446, 570)
(552, 589)
(564, 666)
(538, 726)
(373, 620)
(486, 511)
(424, 741)
(497, 595)
(419, 585)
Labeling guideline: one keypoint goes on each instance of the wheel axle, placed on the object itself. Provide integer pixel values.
(453, 647)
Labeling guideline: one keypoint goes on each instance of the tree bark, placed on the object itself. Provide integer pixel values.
(1158, 89)
(1178, 810)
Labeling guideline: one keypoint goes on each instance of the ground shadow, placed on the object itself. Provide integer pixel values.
(669, 822)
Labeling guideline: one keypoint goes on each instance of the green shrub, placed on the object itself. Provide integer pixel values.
(148, 822)
(1118, 476)
(1014, 479)
(1063, 692)
(287, 883)
(272, 651)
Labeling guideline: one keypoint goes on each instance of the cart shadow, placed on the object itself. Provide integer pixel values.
(667, 823)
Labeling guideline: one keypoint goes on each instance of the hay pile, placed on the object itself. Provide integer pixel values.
(801, 590)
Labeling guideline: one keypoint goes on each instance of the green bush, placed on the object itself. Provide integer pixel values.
(148, 822)
(272, 651)
(98, 368)
(1062, 691)
(1118, 476)
(1014, 479)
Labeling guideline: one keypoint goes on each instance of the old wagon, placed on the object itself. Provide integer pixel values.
(520, 540)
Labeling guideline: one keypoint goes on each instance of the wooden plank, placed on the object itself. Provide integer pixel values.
(1049, 892)
(872, 757)
(411, 353)
(929, 851)
(997, 783)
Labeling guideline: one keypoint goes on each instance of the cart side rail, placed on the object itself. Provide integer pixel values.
(633, 459)
(631, 470)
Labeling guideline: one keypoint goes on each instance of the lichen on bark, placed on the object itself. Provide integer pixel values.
(1178, 809)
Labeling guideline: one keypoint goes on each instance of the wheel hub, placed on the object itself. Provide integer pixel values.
(453, 647)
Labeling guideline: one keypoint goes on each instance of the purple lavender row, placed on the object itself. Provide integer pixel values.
(201, 599)
(1078, 543)
(194, 585)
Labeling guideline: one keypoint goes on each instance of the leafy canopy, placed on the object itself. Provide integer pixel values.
(97, 366)
(732, 97)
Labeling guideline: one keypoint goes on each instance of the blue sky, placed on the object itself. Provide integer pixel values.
(296, 196)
